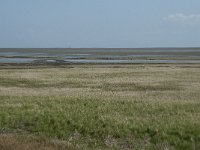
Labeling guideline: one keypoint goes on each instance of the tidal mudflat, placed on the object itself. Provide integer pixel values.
(101, 55)
(100, 106)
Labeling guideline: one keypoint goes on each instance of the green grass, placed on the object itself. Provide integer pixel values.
(13, 82)
(160, 111)
(163, 86)
(94, 120)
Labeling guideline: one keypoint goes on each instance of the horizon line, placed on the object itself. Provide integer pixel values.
(96, 47)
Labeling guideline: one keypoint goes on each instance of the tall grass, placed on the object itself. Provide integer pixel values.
(147, 107)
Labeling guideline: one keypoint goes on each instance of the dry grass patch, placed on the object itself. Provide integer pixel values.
(11, 142)
(101, 107)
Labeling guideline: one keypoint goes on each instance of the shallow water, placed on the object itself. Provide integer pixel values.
(16, 60)
(180, 55)
(132, 61)
(29, 60)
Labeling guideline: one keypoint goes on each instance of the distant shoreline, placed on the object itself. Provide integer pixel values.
(100, 55)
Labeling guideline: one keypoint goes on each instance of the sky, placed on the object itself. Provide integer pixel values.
(99, 23)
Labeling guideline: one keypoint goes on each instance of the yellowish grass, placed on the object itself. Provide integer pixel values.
(146, 99)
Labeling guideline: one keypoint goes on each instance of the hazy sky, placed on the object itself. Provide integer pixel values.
(99, 23)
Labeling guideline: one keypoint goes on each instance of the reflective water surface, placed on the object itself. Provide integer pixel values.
(165, 55)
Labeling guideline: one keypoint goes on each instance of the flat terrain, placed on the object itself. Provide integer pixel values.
(101, 55)
(100, 107)
(188, 51)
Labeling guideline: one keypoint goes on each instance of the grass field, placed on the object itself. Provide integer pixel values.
(100, 107)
